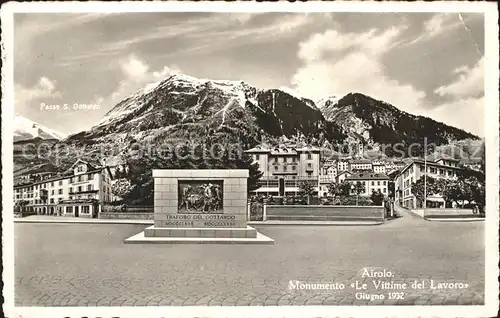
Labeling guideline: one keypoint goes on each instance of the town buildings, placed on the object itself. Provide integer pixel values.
(371, 182)
(445, 168)
(78, 193)
(287, 166)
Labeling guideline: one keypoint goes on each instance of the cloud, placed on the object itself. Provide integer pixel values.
(436, 25)
(464, 113)
(335, 63)
(465, 109)
(136, 76)
(25, 97)
(469, 83)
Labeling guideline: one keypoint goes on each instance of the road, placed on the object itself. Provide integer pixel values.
(89, 265)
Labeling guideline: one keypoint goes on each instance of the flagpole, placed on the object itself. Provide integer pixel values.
(425, 172)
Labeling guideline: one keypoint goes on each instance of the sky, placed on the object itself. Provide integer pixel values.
(427, 64)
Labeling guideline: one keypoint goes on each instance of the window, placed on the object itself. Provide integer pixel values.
(86, 209)
(79, 188)
(373, 183)
(384, 182)
(52, 184)
(309, 165)
(378, 183)
(294, 168)
(383, 190)
(69, 209)
(257, 157)
(71, 180)
(433, 170)
(89, 187)
(60, 182)
(284, 168)
(441, 171)
(309, 156)
(51, 200)
(285, 159)
(294, 159)
(52, 192)
(309, 173)
(79, 178)
(422, 168)
(275, 167)
(59, 191)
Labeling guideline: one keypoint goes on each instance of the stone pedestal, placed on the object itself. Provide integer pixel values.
(200, 206)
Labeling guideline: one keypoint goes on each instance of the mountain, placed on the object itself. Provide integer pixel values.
(375, 123)
(182, 109)
(25, 129)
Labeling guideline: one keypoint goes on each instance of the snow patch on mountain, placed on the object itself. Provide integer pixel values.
(25, 129)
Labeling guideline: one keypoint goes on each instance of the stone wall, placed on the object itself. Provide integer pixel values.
(323, 212)
(126, 215)
(234, 211)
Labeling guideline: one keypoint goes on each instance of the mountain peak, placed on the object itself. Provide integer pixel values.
(25, 129)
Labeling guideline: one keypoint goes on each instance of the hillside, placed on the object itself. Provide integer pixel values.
(374, 122)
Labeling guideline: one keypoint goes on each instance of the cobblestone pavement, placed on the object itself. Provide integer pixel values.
(89, 265)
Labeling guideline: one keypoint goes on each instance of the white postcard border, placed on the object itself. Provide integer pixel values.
(491, 140)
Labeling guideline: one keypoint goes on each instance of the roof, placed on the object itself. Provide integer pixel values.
(429, 163)
(63, 177)
(361, 161)
(344, 172)
(368, 176)
(446, 157)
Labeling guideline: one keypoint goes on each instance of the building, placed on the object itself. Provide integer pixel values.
(372, 182)
(361, 164)
(79, 193)
(379, 167)
(343, 176)
(288, 166)
(329, 170)
(342, 165)
(414, 170)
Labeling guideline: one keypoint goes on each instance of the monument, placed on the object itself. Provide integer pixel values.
(200, 206)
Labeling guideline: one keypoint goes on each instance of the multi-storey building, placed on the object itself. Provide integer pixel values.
(361, 164)
(414, 170)
(372, 182)
(79, 193)
(379, 167)
(342, 165)
(288, 166)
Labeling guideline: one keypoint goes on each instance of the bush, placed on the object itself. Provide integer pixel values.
(351, 200)
(256, 211)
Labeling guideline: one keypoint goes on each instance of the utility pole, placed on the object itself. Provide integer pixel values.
(425, 173)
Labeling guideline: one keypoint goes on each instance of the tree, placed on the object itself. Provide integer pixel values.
(377, 197)
(339, 189)
(122, 188)
(417, 189)
(358, 187)
(306, 188)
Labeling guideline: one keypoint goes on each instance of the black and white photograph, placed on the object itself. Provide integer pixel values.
(250, 159)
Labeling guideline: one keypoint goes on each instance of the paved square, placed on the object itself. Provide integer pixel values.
(89, 265)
